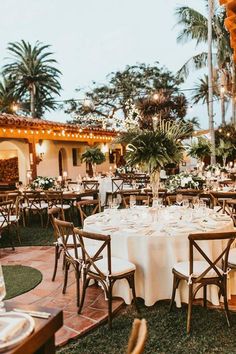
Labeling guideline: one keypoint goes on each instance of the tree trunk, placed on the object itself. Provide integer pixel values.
(210, 81)
(233, 94)
(222, 98)
(32, 101)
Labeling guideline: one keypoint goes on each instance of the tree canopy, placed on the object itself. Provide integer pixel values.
(138, 84)
(36, 79)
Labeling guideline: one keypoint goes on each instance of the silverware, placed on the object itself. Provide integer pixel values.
(34, 313)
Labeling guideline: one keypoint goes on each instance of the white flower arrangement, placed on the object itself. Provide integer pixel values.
(183, 180)
(42, 183)
(215, 168)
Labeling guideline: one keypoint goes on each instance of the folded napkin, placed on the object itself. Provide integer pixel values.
(9, 327)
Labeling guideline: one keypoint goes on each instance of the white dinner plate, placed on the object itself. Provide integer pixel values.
(21, 334)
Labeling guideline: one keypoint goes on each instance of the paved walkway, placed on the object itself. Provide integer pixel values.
(49, 293)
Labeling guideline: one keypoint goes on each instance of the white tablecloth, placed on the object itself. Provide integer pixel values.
(154, 242)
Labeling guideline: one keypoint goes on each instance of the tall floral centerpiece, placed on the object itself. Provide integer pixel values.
(153, 149)
(93, 156)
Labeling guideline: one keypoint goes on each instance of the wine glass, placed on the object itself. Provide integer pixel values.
(195, 202)
(185, 203)
(179, 199)
(132, 201)
(2, 289)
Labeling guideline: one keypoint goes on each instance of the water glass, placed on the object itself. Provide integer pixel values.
(2, 289)
(179, 199)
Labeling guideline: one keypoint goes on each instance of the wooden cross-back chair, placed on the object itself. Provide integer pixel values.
(201, 273)
(137, 337)
(34, 202)
(57, 213)
(55, 200)
(5, 213)
(72, 252)
(105, 271)
(87, 208)
(117, 186)
(90, 184)
(221, 198)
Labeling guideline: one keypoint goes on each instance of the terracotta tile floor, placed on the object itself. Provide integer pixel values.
(49, 294)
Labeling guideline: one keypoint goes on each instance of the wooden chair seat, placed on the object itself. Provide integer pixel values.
(198, 268)
(119, 266)
(104, 271)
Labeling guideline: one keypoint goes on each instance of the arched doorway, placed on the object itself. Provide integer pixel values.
(62, 161)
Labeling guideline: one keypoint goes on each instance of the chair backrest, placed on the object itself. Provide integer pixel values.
(222, 257)
(54, 198)
(137, 337)
(87, 208)
(90, 184)
(139, 200)
(33, 199)
(208, 198)
(94, 194)
(103, 244)
(5, 212)
(117, 184)
(55, 213)
(64, 229)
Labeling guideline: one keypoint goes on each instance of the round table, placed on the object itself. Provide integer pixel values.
(154, 240)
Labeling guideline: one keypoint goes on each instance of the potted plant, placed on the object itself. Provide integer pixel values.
(93, 156)
(153, 149)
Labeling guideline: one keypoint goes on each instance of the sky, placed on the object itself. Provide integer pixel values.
(93, 38)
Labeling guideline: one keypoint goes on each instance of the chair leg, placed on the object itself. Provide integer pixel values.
(109, 297)
(205, 295)
(66, 270)
(17, 231)
(77, 276)
(10, 238)
(57, 255)
(190, 303)
(132, 286)
(41, 219)
(176, 282)
(85, 285)
(47, 224)
(224, 293)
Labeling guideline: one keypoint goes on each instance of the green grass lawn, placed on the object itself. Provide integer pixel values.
(166, 332)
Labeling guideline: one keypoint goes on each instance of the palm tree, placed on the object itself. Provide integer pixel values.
(195, 27)
(32, 70)
(7, 97)
(93, 156)
(201, 91)
(153, 149)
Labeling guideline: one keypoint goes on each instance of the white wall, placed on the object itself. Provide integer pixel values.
(49, 166)
(22, 150)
